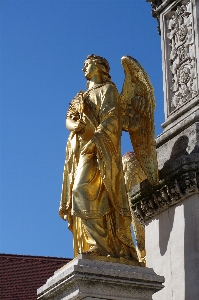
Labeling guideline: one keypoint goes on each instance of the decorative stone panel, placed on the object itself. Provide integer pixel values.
(179, 42)
(181, 54)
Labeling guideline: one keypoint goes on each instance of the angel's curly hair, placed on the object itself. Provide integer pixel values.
(102, 65)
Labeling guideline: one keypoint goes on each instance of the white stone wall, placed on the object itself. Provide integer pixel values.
(172, 250)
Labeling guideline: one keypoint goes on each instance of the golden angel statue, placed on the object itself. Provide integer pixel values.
(94, 197)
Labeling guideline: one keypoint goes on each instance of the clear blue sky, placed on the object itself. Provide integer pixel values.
(43, 46)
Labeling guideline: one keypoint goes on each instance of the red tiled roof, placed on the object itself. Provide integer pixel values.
(22, 275)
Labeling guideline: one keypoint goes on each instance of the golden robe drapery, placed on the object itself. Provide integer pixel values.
(94, 196)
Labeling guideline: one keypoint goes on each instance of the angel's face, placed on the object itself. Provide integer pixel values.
(90, 69)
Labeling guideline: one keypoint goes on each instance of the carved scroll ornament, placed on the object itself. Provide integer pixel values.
(182, 55)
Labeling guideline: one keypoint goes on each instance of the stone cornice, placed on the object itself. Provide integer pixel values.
(155, 3)
(157, 7)
(175, 185)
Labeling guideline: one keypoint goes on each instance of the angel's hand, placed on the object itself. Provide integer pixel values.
(79, 126)
(89, 148)
(75, 126)
(63, 214)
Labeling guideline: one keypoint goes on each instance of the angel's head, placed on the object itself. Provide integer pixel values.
(96, 65)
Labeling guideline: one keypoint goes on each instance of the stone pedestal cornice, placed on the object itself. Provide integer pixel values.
(86, 277)
(178, 180)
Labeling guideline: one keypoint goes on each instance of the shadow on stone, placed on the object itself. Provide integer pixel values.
(179, 149)
(191, 247)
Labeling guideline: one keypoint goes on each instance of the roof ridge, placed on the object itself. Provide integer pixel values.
(26, 256)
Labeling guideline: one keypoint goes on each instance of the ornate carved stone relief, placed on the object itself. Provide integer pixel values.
(182, 54)
(167, 195)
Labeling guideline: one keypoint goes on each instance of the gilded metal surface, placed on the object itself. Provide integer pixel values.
(133, 175)
(137, 111)
(94, 198)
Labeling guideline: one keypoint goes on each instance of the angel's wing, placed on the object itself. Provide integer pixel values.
(133, 174)
(137, 105)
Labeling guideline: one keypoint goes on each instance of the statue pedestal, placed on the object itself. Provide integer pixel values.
(87, 278)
